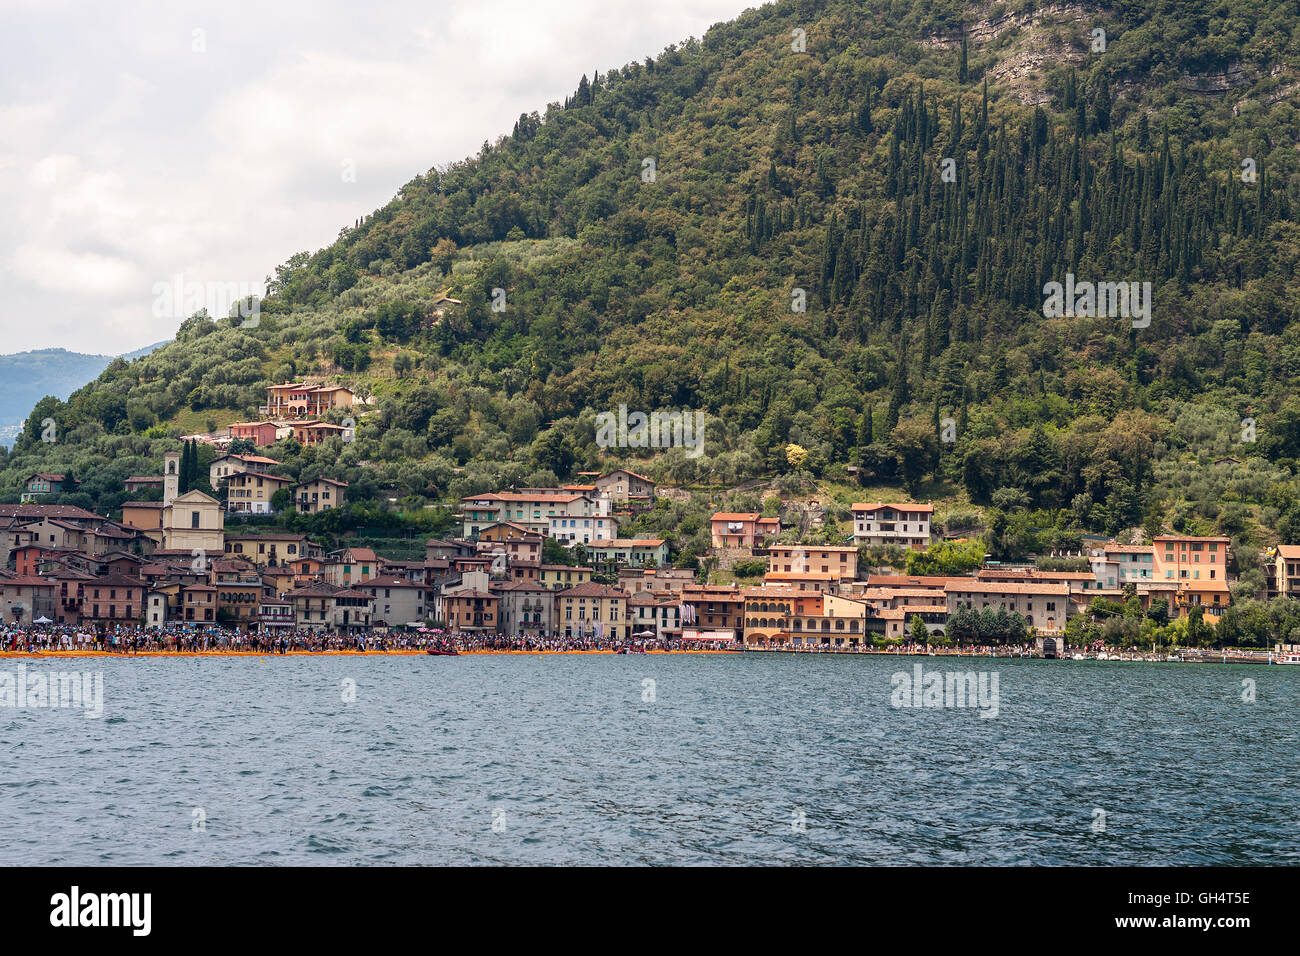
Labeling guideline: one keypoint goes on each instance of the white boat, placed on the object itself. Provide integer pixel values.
(1290, 658)
(1078, 657)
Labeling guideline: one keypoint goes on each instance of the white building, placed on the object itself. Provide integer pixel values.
(597, 526)
(887, 522)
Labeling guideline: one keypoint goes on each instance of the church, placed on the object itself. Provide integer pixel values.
(192, 521)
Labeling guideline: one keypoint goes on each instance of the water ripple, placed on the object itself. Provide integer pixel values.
(737, 759)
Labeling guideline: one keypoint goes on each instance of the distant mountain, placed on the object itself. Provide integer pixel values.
(30, 376)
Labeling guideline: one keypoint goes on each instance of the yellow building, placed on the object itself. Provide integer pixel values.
(558, 576)
(593, 610)
(250, 493)
(192, 521)
(321, 494)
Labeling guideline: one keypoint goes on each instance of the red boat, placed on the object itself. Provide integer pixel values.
(441, 653)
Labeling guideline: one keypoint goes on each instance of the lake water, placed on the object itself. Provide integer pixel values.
(723, 759)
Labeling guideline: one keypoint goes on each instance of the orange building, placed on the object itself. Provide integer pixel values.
(313, 432)
(299, 400)
(262, 434)
(1212, 597)
(714, 608)
(840, 560)
(1187, 558)
(776, 616)
(470, 610)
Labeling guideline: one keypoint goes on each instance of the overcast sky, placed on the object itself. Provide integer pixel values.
(144, 140)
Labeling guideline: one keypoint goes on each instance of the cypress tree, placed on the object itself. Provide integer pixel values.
(865, 433)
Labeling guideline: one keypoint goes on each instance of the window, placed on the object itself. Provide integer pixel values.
(194, 519)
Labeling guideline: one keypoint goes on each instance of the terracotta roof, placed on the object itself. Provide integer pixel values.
(1203, 585)
(891, 593)
(901, 580)
(32, 510)
(591, 589)
(28, 581)
(626, 471)
(259, 475)
(1001, 587)
(731, 590)
(389, 581)
(896, 505)
(661, 598)
(778, 592)
(810, 548)
(994, 574)
(117, 579)
(517, 496)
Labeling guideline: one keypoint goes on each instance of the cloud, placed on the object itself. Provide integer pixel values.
(132, 155)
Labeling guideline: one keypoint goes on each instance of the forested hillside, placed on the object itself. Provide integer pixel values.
(652, 235)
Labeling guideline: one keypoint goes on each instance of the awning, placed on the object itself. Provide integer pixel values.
(719, 635)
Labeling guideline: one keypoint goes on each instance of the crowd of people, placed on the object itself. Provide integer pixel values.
(197, 639)
(191, 639)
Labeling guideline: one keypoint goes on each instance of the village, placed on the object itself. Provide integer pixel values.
(173, 561)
